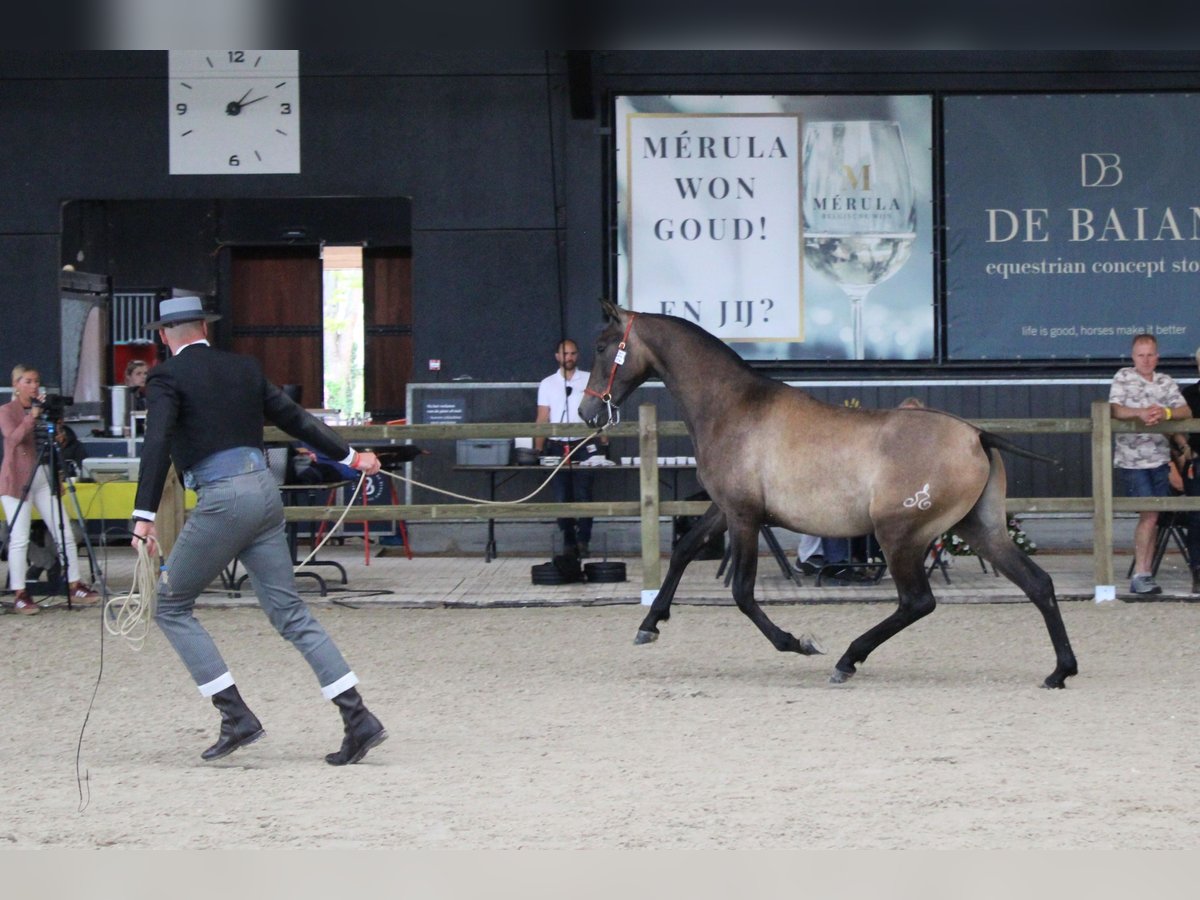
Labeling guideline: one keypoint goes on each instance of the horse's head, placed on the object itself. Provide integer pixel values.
(619, 366)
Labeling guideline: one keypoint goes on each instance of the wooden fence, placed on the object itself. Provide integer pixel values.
(650, 507)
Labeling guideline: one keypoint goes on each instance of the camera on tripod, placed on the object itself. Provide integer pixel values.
(53, 406)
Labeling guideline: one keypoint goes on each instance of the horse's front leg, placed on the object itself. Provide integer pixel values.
(744, 559)
(711, 524)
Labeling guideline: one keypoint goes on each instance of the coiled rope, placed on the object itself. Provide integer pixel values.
(129, 616)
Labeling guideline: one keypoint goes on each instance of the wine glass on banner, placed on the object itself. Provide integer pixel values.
(860, 215)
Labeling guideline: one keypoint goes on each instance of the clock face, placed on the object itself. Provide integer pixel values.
(234, 112)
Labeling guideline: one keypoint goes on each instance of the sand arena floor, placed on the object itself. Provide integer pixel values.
(545, 727)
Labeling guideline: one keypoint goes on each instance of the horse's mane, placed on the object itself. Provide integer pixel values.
(719, 347)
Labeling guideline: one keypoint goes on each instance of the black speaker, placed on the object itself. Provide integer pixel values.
(579, 84)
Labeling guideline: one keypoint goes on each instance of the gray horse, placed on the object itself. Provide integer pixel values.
(771, 454)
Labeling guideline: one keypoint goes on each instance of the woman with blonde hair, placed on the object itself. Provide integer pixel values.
(24, 484)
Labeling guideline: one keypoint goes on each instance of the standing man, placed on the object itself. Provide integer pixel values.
(206, 412)
(558, 400)
(1143, 460)
(1191, 481)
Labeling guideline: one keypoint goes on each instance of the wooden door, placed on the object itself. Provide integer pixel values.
(387, 317)
(276, 314)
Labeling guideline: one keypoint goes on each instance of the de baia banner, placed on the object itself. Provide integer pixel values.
(792, 227)
(1072, 225)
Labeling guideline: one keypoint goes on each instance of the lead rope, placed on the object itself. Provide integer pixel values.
(566, 458)
(362, 478)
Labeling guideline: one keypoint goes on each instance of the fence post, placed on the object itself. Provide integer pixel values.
(651, 552)
(1102, 510)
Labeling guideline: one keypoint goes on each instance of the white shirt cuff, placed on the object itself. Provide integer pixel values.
(349, 460)
(142, 514)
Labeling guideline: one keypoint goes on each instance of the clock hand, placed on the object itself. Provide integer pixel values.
(234, 107)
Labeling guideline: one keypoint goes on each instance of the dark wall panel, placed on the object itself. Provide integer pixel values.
(29, 315)
(509, 192)
(494, 313)
(470, 151)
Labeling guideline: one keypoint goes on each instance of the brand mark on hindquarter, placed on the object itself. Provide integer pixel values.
(921, 499)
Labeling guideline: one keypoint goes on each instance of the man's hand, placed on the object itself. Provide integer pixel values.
(143, 532)
(1152, 415)
(366, 461)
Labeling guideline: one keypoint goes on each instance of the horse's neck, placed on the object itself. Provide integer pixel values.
(705, 378)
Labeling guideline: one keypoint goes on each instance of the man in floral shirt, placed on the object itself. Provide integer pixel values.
(1143, 460)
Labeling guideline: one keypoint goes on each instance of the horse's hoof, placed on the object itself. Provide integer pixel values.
(840, 677)
(1054, 683)
(646, 637)
(810, 645)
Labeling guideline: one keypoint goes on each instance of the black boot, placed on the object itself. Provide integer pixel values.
(239, 726)
(1196, 580)
(363, 730)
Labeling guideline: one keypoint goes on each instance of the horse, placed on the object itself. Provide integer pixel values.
(768, 453)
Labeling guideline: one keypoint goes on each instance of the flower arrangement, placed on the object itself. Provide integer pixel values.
(956, 546)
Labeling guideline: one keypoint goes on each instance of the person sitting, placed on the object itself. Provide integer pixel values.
(828, 557)
(71, 451)
(136, 371)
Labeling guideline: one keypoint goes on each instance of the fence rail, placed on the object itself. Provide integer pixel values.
(650, 508)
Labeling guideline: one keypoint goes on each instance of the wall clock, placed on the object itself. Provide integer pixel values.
(234, 112)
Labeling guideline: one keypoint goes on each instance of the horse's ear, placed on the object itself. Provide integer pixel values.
(611, 310)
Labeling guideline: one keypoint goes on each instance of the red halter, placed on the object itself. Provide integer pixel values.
(618, 359)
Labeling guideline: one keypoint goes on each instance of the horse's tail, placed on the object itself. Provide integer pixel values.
(995, 442)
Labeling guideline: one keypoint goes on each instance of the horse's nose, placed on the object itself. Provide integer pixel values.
(589, 419)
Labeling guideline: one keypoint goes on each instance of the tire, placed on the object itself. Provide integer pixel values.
(603, 572)
(546, 573)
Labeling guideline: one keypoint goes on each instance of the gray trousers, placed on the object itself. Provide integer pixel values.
(241, 516)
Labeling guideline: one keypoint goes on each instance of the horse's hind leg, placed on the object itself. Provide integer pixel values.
(711, 524)
(994, 545)
(916, 601)
(744, 559)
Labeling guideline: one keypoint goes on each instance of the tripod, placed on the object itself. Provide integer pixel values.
(49, 465)
(1170, 528)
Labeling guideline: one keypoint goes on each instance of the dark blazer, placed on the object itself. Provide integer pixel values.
(205, 400)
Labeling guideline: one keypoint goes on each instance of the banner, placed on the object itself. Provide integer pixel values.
(793, 227)
(1072, 223)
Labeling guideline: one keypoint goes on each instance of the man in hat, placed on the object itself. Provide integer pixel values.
(206, 411)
